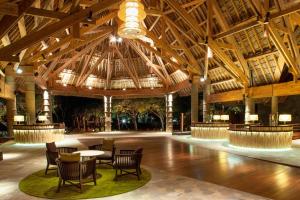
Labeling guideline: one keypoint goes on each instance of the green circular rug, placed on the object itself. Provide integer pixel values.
(40, 185)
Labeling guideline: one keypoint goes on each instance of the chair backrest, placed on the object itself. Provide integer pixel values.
(139, 155)
(51, 157)
(88, 167)
(108, 144)
(96, 147)
(68, 170)
(51, 146)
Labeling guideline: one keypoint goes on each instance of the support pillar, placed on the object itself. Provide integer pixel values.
(30, 99)
(107, 113)
(194, 98)
(11, 107)
(274, 111)
(169, 113)
(249, 109)
(206, 106)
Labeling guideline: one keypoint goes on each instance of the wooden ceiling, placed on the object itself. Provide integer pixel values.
(253, 43)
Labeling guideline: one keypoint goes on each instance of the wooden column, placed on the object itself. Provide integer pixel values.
(194, 98)
(30, 99)
(249, 109)
(11, 107)
(274, 111)
(107, 113)
(169, 113)
(274, 106)
(206, 106)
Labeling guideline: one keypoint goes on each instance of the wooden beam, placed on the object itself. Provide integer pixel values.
(130, 72)
(186, 17)
(83, 51)
(255, 21)
(86, 63)
(73, 46)
(38, 36)
(7, 8)
(277, 40)
(266, 91)
(91, 69)
(229, 64)
(186, 50)
(70, 90)
(147, 60)
(225, 26)
(46, 13)
(8, 22)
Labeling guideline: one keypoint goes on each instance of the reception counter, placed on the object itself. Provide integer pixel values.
(214, 131)
(263, 137)
(38, 133)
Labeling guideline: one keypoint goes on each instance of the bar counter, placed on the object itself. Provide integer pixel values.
(213, 131)
(38, 133)
(262, 137)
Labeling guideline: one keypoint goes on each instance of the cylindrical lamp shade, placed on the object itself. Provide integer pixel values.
(253, 117)
(216, 117)
(224, 117)
(19, 118)
(131, 9)
(42, 118)
(132, 14)
(46, 95)
(285, 118)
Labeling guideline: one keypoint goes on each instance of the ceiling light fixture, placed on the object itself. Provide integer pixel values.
(90, 87)
(132, 14)
(65, 85)
(19, 71)
(57, 39)
(202, 79)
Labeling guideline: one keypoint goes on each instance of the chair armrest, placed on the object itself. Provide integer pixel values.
(66, 149)
(127, 151)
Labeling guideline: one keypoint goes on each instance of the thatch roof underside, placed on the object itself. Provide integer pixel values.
(253, 44)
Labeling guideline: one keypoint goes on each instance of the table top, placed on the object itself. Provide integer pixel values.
(89, 153)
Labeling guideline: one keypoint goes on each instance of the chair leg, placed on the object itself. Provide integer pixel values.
(95, 178)
(138, 173)
(116, 175)
(59, 185)
(80, 185)
(64, 182)
(46, 168)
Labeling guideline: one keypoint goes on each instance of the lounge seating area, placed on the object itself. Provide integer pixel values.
(79, 167)
(149, 99)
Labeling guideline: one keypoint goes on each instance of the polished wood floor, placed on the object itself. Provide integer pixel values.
(246, 174)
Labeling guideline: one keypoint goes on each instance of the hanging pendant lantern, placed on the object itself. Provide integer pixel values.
(132, 14)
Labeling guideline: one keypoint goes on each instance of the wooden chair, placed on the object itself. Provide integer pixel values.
(76, 173)
(128, 160)
(52, 153)
(109, 149)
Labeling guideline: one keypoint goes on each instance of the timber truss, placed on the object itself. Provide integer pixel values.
(66, 45)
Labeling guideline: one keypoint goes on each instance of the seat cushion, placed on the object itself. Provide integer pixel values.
(69, 157)
(106, 155)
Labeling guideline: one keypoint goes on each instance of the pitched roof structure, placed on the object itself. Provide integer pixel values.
(68, 45)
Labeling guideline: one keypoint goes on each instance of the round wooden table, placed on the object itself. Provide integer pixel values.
(89, 153)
